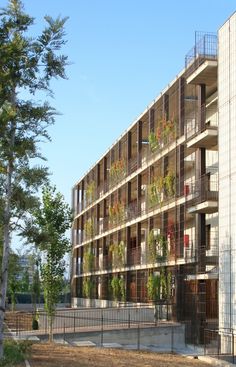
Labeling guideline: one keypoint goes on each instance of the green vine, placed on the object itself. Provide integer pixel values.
(165, 283)
(164, 134)
(118, 254)
(153, 142)
(117, 212)
(117, 171)
(118, 288)
(157, 247)
(90, 192)
(88, 287)
(159, 285)
(153, 287)
(89, 227)
(156, 191)
(88, 261)
(170, 184)
(115, 286)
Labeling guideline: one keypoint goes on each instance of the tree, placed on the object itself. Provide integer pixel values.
(47, 230)
(13, 278)
(25, 281)
(26, 64)
(35, 286)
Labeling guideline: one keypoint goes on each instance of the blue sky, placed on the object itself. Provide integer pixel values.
(123, 53)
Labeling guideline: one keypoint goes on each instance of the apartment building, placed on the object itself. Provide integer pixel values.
(149, 217)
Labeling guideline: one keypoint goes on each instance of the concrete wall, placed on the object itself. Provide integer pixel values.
(164, 338)
(227, 176)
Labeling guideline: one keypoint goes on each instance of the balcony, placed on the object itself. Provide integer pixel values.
(207, 138)
(201, 60)
(202, 196)
(204, 72)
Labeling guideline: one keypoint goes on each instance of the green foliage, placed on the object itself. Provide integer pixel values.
(165, 281)
(159, 285)
(153, 142)
(15, 352)
(47, 230)
(122, 289)
(115, 286)
(118, 288)
(35, 288)
(89, 227)
(27, 65)
(35, 324)
(14, 284)
(157, 247)
(117, 212)
(118, 254)
(117, 171)
(88, 260)
(170, 183)
(90, 192)
(25, 282)
(155, 192)
(153, 287)
(88, 287)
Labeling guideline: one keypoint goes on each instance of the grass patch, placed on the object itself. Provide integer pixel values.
(15, 352)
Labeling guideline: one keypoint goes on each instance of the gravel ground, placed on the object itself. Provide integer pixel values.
(53, 355)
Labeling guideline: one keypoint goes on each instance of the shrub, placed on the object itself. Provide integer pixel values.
(15, 352)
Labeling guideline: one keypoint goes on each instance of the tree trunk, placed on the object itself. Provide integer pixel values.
(50, 329)
(5, 257)
(6, 226)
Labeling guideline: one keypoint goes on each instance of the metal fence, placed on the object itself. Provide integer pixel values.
(220, 344)
(137, 328)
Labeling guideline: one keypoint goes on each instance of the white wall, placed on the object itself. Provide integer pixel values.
(227, 174)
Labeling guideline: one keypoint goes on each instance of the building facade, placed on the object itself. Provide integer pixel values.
(147, 224)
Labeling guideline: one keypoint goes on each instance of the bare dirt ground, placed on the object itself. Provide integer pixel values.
(52, 355)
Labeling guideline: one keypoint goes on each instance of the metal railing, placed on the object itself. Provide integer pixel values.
(220, 344)
(205, 48)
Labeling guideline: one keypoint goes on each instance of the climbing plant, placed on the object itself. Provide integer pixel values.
(89, 227)
(88, 287)
(90, 192)
(115, 286)
(170, 183)
(117, 171)
(88, 260)
(157, 247)
(118, 254)
(153, 287)
(155, 191)
(116, 212)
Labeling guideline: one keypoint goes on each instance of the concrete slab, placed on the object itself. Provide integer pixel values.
(60, 341)
(84, 343)
(112, 345)
(135, 347)
(25, 337)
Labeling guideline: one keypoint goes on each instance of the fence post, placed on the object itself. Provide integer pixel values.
(129, 319)
(204, 337)
(64, 332)
(172, 339)
(138, 338)
(74, 321)
(102, 331)
(233, 346)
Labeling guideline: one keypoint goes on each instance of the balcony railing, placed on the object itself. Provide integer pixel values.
(205, 48)
(139, 161)
(210, 116)
(206, 188)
